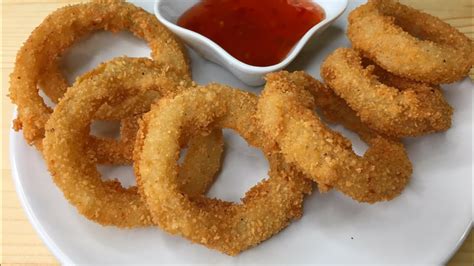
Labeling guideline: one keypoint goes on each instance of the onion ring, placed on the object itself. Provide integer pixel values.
(66, 142)
(427, 49)
(59, 31)
(126, 17)
(142, 72)
(230, 228)
(285, 111)
(389, 104)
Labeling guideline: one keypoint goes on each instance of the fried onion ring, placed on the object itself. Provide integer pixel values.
(141, 72)
(389, 104)
(410, 43)
(286, 112)
(114, 16)
(230, 228)
(63, 28)
(66, 142)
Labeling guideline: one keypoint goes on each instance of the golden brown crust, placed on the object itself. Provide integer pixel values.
(285, 111)
(389, 104)
(114, 16)
(410, 43)
(67, 142)
(162, 80)
(231, 228)
(63, 28)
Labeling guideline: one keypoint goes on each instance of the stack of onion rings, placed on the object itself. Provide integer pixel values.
(37, 61)
(391, 105)
(231, 228)
(286, 112)
(156, 80)
(67, 140)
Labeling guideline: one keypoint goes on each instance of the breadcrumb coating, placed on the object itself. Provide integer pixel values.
(228, 227)
(286, 112)
(72, 162)
(59, 31)
(389, 104)
(113, 16)
(410, 43)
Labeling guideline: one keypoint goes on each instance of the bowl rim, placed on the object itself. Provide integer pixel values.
(236, 63)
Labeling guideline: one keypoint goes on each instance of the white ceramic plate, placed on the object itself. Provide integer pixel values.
(424, 225)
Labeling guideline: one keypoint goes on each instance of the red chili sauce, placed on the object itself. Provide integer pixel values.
(256, 32)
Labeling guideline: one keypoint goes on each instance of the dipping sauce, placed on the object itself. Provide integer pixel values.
(256, 32)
